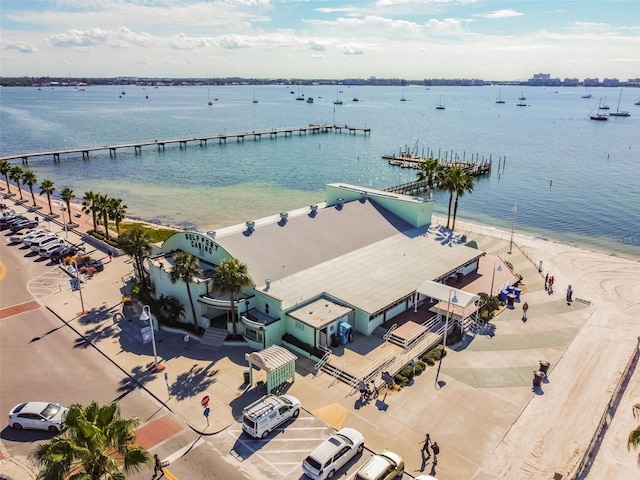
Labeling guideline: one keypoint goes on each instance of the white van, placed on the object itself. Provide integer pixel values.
(265, 414)
(44, 241)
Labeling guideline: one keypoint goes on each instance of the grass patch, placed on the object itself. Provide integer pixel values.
(156, 234)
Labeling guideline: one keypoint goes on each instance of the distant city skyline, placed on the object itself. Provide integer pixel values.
(410, 39)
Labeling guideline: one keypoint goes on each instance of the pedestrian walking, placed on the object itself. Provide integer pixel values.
(157, 466)
(525, 307)
(569, 295)
(186, 341)
(436, 450)
(425, 446)
(546, 282)
(110, 253)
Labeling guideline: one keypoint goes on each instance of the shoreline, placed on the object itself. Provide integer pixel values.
(461, 223)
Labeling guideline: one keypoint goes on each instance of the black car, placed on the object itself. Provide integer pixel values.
(62, 252)
(21, 225)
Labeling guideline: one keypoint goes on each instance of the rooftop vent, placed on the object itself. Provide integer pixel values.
(251, 225)
(284, 216)
(211, 233)
(267, 283)
(314, 208)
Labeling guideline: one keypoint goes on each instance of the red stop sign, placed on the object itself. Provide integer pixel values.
(205, 401)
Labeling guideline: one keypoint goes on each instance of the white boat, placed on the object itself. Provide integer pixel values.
(618, 113)
(254, 96)
(337, 100)
(499, 99)
(402, 99)
(587, 94)
(209, 102)
(440, 106)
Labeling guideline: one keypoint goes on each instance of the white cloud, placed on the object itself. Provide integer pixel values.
(21, 47)
(121, 38)
(506, 13)
(351, 50)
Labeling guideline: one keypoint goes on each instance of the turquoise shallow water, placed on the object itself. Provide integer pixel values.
(594, 199)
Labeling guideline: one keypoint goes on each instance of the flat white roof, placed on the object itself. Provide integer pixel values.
(375, 276)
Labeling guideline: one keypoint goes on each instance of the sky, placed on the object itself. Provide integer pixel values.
(315, 39)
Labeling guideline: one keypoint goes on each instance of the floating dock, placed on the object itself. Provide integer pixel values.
(475, 167)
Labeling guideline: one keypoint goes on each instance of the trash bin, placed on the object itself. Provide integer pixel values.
(510, 298)
(247, 377)
(537, 378)
(517, 291)
(503, 295)
(335, 340)
(544, 366)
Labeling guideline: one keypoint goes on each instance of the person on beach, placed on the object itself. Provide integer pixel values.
(425, 446)
(546, 282)
(525, 307)
(569, 295)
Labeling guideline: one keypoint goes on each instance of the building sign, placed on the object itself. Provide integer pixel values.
(201, 242)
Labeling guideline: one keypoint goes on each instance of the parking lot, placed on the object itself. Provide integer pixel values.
(280, 455)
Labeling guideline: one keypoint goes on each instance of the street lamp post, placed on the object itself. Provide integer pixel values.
(453, 299)
(64, 222)
(497, 267)
(513, 223)
(144, 316)
(75, 267)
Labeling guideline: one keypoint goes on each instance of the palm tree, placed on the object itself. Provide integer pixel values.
(102, 205)
(67, 195)
(185, 267)
(15, 174)
(465, 185)
(431, 171)
(229, 279)
(117, 212)
(89, 206)
(634, 435)
(5, 168)
(95, 442)
(136, 243)
(449, 184)
(168, 309)
(29, 178)
(47, 187)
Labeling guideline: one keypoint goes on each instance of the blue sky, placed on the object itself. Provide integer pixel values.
(412, 39)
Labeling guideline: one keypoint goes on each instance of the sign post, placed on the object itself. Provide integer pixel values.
(206, 414)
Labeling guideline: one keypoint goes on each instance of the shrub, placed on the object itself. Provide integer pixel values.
(420, 367)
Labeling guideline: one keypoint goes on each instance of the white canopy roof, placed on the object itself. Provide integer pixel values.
(271, 358)
(442, 292)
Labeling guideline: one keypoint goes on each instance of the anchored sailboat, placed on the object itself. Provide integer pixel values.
(618, 113)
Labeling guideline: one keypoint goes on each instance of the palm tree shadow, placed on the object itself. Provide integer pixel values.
(138, 377)
(196, 380)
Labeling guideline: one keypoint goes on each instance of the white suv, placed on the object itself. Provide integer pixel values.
(45, 241)
(332, 454)
(27, 240)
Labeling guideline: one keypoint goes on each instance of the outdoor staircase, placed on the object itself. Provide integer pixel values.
(214, 337)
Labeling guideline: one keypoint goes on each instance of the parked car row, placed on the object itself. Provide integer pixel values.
(45, 243)
(267, 413)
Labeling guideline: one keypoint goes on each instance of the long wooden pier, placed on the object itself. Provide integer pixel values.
(202, 141)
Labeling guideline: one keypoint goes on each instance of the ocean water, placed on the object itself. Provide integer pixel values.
(573, 180)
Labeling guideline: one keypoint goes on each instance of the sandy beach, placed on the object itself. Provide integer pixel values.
(550, 436)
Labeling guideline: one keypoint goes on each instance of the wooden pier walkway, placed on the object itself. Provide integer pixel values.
(202, 140)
